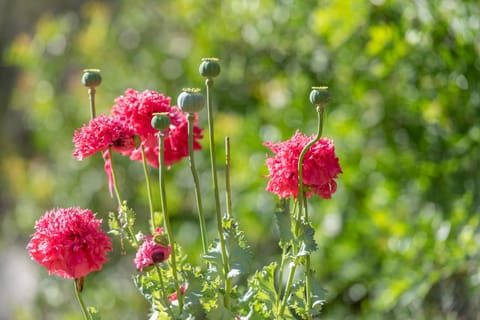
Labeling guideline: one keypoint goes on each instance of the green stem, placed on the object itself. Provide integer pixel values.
(226, 265)
(201, 217)
(171, 240)
(301, 197)
(164, 292)
(78, 294)
(280, 273)
(91, 98)
(291, 275)
(228, 192)
(320, 112)
(149, 190)
(119, 198)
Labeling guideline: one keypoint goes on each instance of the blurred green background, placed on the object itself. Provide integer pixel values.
(399, 240)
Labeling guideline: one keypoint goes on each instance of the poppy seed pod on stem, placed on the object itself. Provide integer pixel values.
(210, 67)
(91, 78)
(191, 100)
(319, 96)
(160, 121)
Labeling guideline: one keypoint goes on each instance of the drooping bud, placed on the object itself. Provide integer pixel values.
(191, 100)
(319, 96)
(91, 78)
(160, 121)
(210, 67)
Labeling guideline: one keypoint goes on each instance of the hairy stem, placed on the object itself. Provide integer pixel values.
(166, 219)
(201, 217)
(225, 260)
(149, 190)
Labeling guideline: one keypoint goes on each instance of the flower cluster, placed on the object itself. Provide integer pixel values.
(320, 167)
(145, 127)
(69, 242)
(131, 116)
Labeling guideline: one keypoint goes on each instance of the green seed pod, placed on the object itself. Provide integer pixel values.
(91, 78)
(210, 67)
(191, 100)
(319, 96)
(160, 121)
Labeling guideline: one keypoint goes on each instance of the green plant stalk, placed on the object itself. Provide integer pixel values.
(201, 217)
(293, 266)
(164, 293)
(117, 194)
(300, 198)
(149, 190)
(225, 260)
(91, 99)
(166, 219)
(228, 192)
(78, 294)
(280, 274)
(308, 277)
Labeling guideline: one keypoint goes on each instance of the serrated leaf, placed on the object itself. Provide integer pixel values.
(284, 224)
(306, 241)
(237, 247)
(297, 299)
(263, 294)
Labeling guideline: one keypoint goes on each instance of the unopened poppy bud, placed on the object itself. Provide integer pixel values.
(191, 100)
(91, 78)
(160, 121)
(319, 96)
(210, 67)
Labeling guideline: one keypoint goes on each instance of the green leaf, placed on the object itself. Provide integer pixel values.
(297, 299)
(306, 241)
(237, 248)
(284, 222)
(262, 294)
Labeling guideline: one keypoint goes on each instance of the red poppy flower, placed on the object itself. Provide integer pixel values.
(69, 242)
(320, 167)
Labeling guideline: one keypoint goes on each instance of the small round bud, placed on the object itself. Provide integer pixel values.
(191, 100)
(160, 121)
(210, 67)
(91, 78)
(319, 96)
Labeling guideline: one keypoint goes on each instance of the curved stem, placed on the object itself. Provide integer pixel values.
(166, 219)
(91, 99)
(226, 266)
(80, 301)
(201, 217)
(301, 197)
(320, 112)
(149, 190)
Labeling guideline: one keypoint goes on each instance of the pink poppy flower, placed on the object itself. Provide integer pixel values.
(320, 167)
(69, 242)
(101, 133)
(137, 109)
(151, 252)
